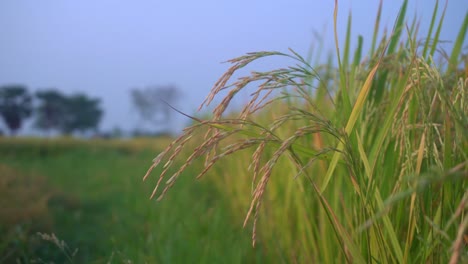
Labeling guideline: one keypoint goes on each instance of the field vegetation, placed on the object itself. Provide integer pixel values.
(366, 162)
(362, 160)
(80, 201)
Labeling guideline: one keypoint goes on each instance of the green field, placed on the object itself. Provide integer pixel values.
(91, 196)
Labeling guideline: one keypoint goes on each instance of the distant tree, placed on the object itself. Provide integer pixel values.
(50, 113)
(153, 103)
(15, 106)
(116, 132)
(67, 114)
(81, 114)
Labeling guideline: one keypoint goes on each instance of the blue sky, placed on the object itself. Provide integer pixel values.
(104, 48)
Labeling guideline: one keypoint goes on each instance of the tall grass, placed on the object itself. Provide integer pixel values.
(364, 163)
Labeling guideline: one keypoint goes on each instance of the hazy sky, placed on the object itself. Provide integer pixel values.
(105, 47)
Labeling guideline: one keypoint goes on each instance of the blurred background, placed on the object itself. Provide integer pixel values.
(122, 57)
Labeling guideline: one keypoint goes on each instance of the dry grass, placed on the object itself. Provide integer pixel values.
(23, 199)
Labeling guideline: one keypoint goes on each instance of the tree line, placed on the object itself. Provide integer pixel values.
(51, 110)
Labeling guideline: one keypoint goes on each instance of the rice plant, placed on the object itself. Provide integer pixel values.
(366, 162)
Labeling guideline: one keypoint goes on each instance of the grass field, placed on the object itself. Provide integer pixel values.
(362, 160)
(91, 196)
